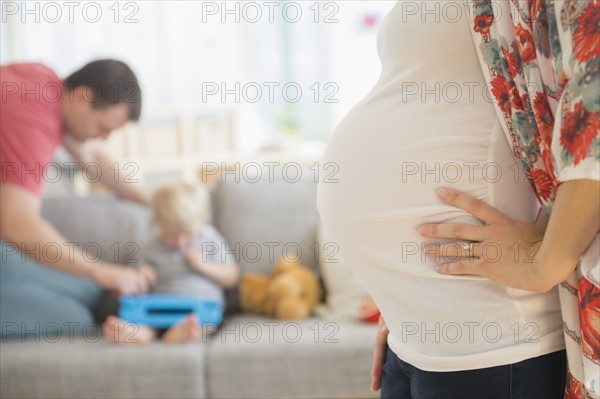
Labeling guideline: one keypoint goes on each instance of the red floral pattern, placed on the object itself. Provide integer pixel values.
(563, 79)
(543, 116)
(586, 37)
(548, 163)
(483, 23)
(552, 144)
(534, 8)
(573, 388)
(506, 94)
(525, 45)
(580, 127)
(501, 92)
(589, 311)
(514, 66)
(543, 183)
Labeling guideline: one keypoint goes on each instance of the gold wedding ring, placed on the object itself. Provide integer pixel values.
(468, 246)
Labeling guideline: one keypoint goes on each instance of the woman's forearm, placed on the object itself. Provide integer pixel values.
(574, 222)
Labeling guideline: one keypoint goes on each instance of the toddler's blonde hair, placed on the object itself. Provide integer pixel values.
(183, 205)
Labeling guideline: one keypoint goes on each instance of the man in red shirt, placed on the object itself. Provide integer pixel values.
(38, 112)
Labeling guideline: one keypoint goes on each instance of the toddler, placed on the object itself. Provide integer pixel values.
(173, 263)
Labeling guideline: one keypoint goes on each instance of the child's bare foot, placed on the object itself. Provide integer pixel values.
(121, 332)
(185, 331)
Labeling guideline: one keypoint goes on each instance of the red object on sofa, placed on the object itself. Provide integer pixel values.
(369, 313)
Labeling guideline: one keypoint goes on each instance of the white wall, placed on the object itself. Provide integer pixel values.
(353, 59)
(174, 52)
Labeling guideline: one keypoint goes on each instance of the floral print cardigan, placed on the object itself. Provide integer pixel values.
(541, 60)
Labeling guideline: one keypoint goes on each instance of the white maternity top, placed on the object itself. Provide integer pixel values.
(428, 123)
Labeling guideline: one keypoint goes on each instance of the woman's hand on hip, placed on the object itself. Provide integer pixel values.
(533, 257)
(504, 250)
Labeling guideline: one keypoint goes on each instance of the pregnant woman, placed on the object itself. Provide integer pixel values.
(428, 123)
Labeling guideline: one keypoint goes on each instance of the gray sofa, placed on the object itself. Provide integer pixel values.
(249, 357)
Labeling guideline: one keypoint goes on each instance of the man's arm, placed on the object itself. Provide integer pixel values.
(120, 178)
(23, 226)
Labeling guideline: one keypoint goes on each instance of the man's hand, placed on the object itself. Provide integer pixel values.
(121, 279)
(148, 273)
(379, 354)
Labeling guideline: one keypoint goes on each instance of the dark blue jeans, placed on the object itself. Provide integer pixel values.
(541, 377)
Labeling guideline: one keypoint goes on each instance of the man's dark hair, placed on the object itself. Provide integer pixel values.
(111, 82)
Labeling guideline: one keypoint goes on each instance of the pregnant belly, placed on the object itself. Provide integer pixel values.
(390, 162)
(388, 171)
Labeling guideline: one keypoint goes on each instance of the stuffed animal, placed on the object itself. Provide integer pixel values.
(290, 292)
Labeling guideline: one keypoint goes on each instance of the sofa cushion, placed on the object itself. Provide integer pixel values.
(252, 215)
(108, 228)
(252, 357)
(82, 368)
(265, 220)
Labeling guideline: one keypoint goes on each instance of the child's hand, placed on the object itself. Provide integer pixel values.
(194, 258)
(148, 273)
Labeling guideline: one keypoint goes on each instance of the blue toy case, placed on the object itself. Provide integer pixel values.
(163, 310)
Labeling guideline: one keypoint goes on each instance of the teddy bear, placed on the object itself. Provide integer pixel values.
(291, 292)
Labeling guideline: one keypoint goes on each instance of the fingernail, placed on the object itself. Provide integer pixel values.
(442, 193)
